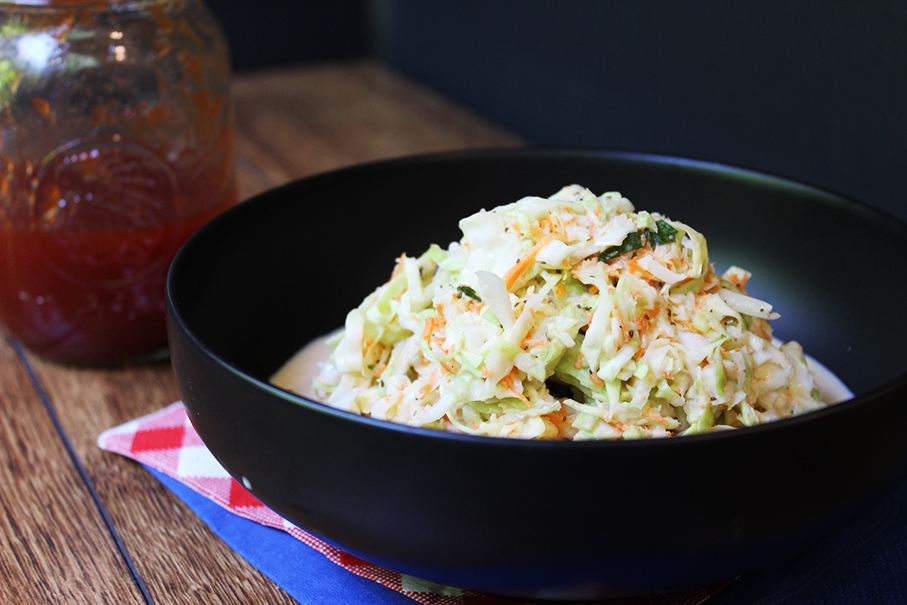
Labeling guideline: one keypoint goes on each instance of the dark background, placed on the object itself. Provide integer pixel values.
(813, 90)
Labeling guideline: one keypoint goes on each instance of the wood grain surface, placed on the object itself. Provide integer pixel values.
(81, 525)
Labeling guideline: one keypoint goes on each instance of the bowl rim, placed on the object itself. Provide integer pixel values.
(290, 398)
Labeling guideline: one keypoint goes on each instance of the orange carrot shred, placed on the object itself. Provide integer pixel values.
(522, 265)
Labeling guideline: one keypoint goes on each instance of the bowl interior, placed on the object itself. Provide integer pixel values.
(286, 267)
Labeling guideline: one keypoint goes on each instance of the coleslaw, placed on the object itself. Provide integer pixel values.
(568, 317)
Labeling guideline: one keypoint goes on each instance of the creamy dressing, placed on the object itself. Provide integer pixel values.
(299, 373)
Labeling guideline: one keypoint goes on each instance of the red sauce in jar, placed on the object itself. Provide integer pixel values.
(115, 146)
(83, 264)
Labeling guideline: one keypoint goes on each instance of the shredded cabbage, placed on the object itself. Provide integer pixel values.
(568, 317)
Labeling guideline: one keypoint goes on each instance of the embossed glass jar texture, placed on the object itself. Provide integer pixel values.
(115, 146)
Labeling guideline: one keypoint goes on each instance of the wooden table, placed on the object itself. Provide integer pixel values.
(81, 525)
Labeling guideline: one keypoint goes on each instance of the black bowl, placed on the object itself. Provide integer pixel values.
(543, 519)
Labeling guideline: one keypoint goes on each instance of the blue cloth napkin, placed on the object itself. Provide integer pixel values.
(305, 574)
(865, 563)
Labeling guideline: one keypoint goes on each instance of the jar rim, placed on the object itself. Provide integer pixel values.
(78, 4)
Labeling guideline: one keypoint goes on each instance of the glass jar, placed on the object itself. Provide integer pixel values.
(115, 146)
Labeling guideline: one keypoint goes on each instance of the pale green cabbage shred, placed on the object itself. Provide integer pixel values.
(520, 329)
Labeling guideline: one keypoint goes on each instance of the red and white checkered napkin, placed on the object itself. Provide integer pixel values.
(166, 441)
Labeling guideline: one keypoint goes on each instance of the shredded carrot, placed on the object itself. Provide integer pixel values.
(398, 267)
(644, 320)
(430, 324)
(522, 265)
(433, 332)
(427, 387)
(596, 380)
(579, 360)
(760, 327)
(559, 418)
(571, 217)
(740, 283)
(532, 341)
(507, 383)
(634, 266)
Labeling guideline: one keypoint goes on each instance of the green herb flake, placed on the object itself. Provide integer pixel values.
(632, 242)
(469, 292)
(665, 233)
